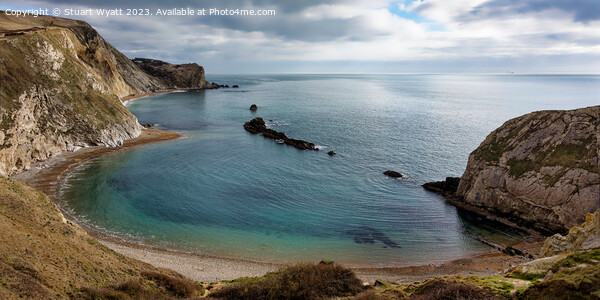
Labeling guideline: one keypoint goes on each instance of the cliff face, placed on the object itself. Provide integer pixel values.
(176, 76)
(61, 83)
(540, 169)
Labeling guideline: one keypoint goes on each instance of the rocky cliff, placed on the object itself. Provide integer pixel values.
(190, 76)
(61, 84)
(540, 170)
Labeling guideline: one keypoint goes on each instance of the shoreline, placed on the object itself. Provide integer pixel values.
(127, 99)
(47, 177)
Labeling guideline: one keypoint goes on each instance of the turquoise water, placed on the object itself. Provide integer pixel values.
(225, 192)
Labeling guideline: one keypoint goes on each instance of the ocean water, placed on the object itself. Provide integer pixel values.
(222, 191)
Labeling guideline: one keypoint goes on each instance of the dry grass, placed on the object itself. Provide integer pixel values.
(302, 281)
(42, 256)
(448, 289)
(177, 287)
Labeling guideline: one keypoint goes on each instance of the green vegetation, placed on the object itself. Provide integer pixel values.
(490, 152)
(591, 257)
(497, 284)
(520, 167)
(565, 155)
(301, 281)
(525, 276)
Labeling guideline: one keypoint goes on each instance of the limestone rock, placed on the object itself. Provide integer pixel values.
(540, 170)
(584, 237)
(60, 88)
(188, 76)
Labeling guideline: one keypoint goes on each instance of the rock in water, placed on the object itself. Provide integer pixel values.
(446, 187)
(392, 174)
(331, 153)
(253, 107)
(235, 86)
(257, 126)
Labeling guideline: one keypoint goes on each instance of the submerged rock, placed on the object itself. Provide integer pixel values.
(253, 107)
(257, 126)
(392, 174)
(369, 235)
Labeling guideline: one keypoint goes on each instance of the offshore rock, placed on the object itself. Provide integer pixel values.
(392, 174)
(253, 107)
(257, 126)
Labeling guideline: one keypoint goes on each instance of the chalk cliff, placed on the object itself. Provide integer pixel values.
(540, 170)
(61, 84)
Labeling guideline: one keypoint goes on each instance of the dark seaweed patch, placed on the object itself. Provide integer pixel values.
(369, 235)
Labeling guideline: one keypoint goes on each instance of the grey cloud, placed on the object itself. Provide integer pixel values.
(582, 10)
(287, 24)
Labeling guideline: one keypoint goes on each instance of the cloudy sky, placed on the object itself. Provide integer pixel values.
(358, 36)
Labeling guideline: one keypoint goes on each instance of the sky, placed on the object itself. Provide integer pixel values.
(356, 36)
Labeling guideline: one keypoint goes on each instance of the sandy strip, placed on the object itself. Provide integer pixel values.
(127, 99)
(46, 176)
(194, 266)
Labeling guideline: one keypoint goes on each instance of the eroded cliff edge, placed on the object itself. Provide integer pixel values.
(61, 84)
(540, 170)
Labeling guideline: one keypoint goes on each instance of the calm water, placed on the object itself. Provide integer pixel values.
(225, 192)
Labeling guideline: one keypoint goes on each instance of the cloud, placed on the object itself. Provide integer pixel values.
(370, 33)
(581, 10)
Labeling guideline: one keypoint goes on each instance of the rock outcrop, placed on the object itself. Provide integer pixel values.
(60, 89)
(584, 237)
(184, 76)
(540, 170)
(253, 107)
(257, 126)
(447, 187)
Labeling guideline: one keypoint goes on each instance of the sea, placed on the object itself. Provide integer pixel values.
(221, 191)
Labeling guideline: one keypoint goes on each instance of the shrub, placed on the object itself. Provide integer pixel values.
(445, 289)
(302, 281)
(177, 287)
